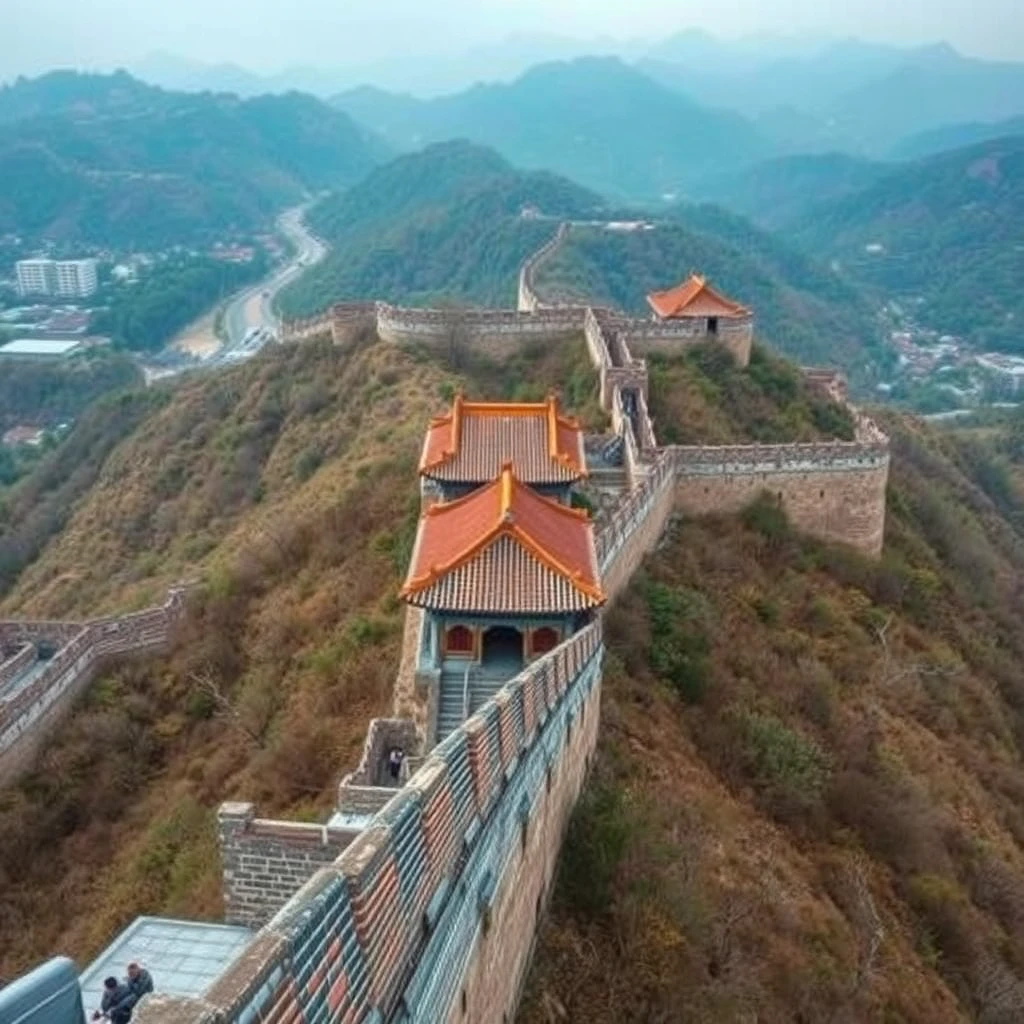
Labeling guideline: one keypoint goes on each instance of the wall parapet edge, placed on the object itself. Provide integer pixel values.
(357, 925)
(84, 649)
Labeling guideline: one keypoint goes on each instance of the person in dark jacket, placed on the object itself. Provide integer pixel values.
(395, 758)
(117, 1003)
(139, 982)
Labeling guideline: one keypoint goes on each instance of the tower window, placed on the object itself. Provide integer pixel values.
(544, 639)
(459, 640)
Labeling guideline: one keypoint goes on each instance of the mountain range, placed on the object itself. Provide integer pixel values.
(447, 225)
(804, 94)
(806, 792)
(442, 225)
(113, 161)
(942, 231)
(596, 120)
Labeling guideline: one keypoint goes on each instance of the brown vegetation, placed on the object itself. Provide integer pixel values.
(288, 488)
(702, 397)
(807, 800)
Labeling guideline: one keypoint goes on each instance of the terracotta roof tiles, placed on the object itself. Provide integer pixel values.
(694, 297)
(472, 442)
(461, 561)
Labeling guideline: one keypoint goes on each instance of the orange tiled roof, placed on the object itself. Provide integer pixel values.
(472, 442)
(504, 548)
(694, 297)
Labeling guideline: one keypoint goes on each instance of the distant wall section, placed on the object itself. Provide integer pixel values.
(835, 492)
(29, 713)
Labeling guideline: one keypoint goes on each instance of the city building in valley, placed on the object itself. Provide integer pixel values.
(36, 277)
(73, 279)
(39, 350)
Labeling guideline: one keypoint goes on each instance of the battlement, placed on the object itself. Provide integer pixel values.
(37, 690)
(848, 475)
(434, 904)
(265, 862)
(529, 301)
(420, 901)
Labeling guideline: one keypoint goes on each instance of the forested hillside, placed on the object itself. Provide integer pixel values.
(806, 803)
(949, 231)
(441, 225)
(168, 295)
(43, 394)
(802, 309)
(108, 160)
(806, 796)
(939, 234)
(775, 193)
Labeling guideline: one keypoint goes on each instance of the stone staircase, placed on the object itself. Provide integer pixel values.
(484, 683)
(449, 709)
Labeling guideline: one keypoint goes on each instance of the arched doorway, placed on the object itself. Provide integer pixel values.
(502, 648)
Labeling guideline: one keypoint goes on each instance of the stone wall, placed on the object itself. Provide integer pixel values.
(350, 320)
(14, 659)
(634, 527)
(828, 382)
(835, 492)
(671, 336)
(413, 917)
(366, 790)
(493, 332)
(501, 955)
(28, 716)
(265, 862)
(52, 634)
(529, 301)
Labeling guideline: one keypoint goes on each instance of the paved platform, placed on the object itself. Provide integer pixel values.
(184, 957)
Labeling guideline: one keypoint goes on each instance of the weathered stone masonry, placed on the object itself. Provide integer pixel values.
(30, 712)
(834, 491)
(266, 862)
(429, 915)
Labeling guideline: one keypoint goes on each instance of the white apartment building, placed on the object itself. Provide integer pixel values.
(36, 277)
(70, 279)
(76, 278)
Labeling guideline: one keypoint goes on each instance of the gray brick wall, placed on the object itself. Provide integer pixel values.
(266, 862)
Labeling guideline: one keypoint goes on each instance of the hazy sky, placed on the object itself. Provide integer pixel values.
(267, 35)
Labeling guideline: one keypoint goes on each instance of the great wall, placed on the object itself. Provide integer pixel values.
(420, 901)
(46, 666)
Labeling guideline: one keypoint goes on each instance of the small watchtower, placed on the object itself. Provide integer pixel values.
(697, 312)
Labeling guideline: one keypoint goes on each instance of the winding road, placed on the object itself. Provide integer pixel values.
(253, 307)
(249, 308)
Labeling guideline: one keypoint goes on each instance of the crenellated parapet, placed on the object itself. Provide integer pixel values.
(529, 300)
(850, 474)
(55, 662)
(420, 898)
(431, 910)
